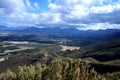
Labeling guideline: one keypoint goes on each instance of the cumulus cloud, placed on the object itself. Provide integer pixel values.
(31, 6)
(10, 6)
(15, 11)
(96, 13)
(82, 14)
(36, 5)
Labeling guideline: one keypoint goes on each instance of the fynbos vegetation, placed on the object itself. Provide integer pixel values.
(67, 69)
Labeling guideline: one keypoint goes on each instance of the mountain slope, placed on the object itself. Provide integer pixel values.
(79, 36)
(104, 51)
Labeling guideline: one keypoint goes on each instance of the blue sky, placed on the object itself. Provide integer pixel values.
(81, 14)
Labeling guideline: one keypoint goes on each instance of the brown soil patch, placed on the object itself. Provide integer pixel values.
(2, 59)
(17, 42)
(71, 48)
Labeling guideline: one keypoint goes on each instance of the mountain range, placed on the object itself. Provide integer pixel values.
(67, 33)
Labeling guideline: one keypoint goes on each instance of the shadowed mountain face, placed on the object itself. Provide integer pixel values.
(104, 51)
(35, 30)
(66, 32)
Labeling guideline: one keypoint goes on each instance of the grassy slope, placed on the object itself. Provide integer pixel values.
(104, 51)
(107, 54)
(103, 56)
(42, 53)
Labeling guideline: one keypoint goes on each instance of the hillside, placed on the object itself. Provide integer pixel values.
(104, 51)
(103, 56)
(20, 47)
(66, 69)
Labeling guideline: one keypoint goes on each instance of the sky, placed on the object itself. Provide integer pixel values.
(81, 14)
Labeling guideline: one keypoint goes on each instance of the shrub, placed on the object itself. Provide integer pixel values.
(68, 69)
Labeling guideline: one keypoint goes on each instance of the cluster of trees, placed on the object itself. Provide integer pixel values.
(67, 69)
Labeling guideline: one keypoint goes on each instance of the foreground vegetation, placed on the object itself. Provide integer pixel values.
(67, 69)
(57, 70)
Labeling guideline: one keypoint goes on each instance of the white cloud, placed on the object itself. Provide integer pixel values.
(82, 14)
(97, 12)
(103, 26)
(36, 5)
(87, 1)
(29, 5)
(32, 6)
(102, 9)
(15, 11)
(54, 6)
(11, 6)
